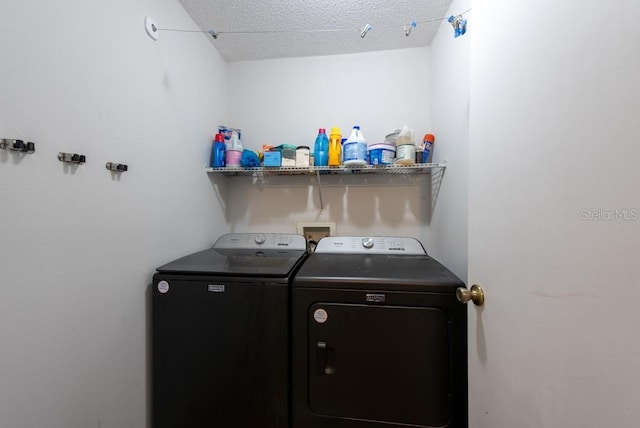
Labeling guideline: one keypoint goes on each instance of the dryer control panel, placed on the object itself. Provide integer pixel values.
(370, 245)
(266, 241)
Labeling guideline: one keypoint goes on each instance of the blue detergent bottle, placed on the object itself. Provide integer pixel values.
(218, 152)
(321, 149)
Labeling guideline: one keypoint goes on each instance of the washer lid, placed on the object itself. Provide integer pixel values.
(270, 255)
(370, 245)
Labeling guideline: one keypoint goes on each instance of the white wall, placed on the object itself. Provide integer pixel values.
(78, 245)
(450, 63)
(287, 100)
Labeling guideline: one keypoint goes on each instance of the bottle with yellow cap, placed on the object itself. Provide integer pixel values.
(335, 147)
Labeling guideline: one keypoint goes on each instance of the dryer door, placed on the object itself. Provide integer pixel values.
(379, 363)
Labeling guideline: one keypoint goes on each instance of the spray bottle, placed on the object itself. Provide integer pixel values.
(427, 147)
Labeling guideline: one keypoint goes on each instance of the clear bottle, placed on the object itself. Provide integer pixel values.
(321, 149)
(355, 149)
(405, 147)
(335, 147)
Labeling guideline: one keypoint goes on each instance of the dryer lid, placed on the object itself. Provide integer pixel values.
(374, 263)
(370, 245)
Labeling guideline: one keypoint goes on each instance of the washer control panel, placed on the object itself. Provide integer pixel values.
(267, 241)
(370, 245)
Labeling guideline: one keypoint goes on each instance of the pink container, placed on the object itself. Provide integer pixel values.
(232, 158)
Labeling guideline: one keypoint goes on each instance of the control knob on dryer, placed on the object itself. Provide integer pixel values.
(260, 239)
(367, 242)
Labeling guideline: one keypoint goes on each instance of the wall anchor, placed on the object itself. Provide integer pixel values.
(17, 145)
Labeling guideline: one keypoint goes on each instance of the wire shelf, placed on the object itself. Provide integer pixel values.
(422, 168)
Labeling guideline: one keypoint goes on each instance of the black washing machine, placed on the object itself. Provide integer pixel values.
(220, 321)
(379, 338)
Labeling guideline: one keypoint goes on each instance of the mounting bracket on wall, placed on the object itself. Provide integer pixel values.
(152, 29)
(72, 158)
(17, 145)
(117, 167)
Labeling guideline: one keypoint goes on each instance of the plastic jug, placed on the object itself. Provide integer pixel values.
(355, 149)
(233, 151)
(335, 147)
(405, 147)
(218, 150)
(321, 149)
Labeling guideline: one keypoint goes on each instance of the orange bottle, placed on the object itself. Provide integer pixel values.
(335, 147)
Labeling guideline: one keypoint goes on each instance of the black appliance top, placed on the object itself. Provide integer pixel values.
(375, 263)
(251, 255)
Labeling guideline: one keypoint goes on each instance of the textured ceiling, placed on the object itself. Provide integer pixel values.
(292, 28)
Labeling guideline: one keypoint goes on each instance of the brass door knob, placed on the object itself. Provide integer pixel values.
(476, 294)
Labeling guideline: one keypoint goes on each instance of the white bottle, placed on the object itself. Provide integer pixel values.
(355, 149)
(233, 152)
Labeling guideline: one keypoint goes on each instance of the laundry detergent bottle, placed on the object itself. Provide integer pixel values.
(335, 147)
(233, 151)
(218, 150)
(321, 149)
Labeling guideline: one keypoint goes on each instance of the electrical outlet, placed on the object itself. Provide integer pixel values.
(314, 232)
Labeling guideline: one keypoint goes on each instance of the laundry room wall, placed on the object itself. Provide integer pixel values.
(287, 100)
(450, 68)
(79, 244)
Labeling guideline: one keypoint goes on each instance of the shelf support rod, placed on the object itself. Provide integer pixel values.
(320, 189)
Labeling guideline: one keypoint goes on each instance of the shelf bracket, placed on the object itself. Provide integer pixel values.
(319, 189)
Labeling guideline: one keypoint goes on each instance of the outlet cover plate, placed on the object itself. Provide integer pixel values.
(316, 230)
